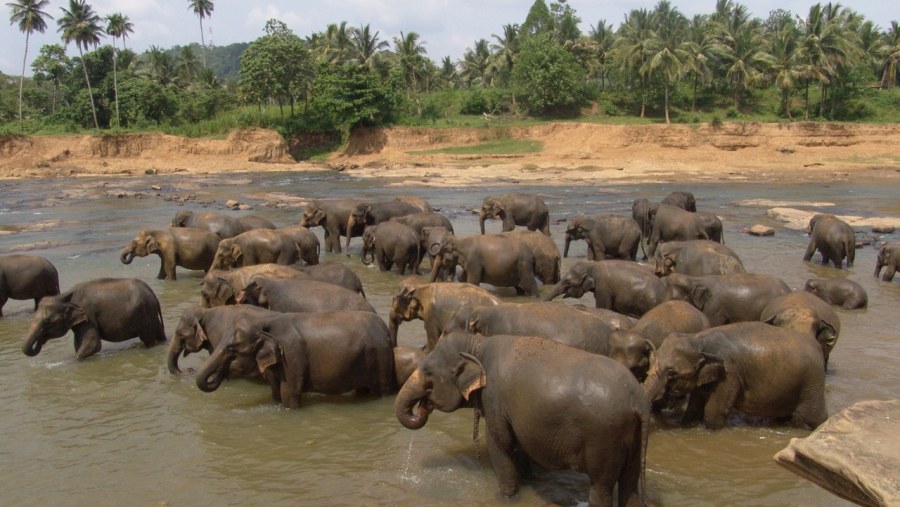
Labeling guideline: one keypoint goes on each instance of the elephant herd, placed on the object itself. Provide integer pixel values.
(689, 335)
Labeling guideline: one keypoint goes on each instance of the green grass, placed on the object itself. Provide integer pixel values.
(496, 147)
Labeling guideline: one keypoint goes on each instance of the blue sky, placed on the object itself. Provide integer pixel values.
(447, 27)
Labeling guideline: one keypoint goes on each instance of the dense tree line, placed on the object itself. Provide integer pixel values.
(656, 61)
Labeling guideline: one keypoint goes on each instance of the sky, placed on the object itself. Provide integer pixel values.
(446, 27)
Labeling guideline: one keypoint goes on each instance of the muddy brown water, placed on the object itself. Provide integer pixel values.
(119, 429)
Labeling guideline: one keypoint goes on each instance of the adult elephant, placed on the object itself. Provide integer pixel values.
(202, 329)
(392, 244)
(26, 277)
(696, 257)
(432, 237)
(668, 223)
(842, 292)
(623, 286)
(219, 224)
(749, 367)
(306, 241)
(712, 224)
(833, 238)
(635, 347)
(251, 222)
(641, 210)
(111, 309)
(222, 287)
(335, 273)
(434, 304)
(323, 352)
(184, 247)
(681, 199)
(559, 322)
(607, 236)
(301, 295)
(889, 258)
(259, 246)
(498, 260)
(545, 252)
(807, 314)
(542, 401)
(516, 209)
(332, 216)
(727, 298)
(374, 213)
(423, 219)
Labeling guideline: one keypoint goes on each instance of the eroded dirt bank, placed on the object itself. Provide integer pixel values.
(573, 153)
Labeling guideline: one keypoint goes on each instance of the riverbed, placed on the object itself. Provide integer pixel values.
(119, 429)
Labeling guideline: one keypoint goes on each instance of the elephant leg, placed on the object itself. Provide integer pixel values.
(161, 275)
(696, 404)
(4, 299)
(810, 250)
(721, 401)
(887, 277)
(87, 341)
(167, 270)
(501, 448)
(602, 299)
(290, 397)
(811, 410)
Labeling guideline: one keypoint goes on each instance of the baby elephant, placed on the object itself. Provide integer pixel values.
(833, 238)
(805, 313)
(111, 309)
(26, 277)
(842, 292)
(176, 246)
(392, 244)
(889, 257)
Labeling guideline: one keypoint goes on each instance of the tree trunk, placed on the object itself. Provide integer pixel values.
(694, 96)
(667, 100)
(90, 92)
(203, 41)
(116, 85)
(22, 81)
(806, 100)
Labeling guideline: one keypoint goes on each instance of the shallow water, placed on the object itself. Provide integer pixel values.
(119, 429)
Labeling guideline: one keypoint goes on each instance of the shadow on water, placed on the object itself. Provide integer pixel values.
(120, 428)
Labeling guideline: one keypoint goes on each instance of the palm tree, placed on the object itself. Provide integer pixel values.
(785, 62)
(740, 44)
(332, 46)
(892, 60)
(602, 33)
(187, 67)
(505, 51)
(448, 75)
(203, 9)
(826, 45)
(159, 66)
(81, 24)
(631, 48)
(411, 53)
(31, 18)
(666, 55)
(116, 28)
(699, 54)
(475, 64)
(366, 46)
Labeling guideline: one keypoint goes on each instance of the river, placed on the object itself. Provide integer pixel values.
(118, 429)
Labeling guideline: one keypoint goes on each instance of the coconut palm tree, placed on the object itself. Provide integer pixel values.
(602, 34)
(411, 53)
(116, 27)
(740, 44)
(666, 55)
(447, 74)
(80, 24)
(187, 65)
(699, 54)
(892, 60)
(366, 46)
(631, 48)
(475, 64)
(30, 17)
(203, 9)
(785, 61)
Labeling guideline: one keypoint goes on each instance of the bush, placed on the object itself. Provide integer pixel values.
(715, 122)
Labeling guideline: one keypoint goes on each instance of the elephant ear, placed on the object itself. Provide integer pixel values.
(710, 370)
(202, 338)
(224, 290)
(269, 354)
(237, 253)
(76, 314)
(700, 296)
(826, 334)
(650, 350)
(152, 245)
(469, 374)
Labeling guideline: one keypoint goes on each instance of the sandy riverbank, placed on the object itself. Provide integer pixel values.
(572, 154)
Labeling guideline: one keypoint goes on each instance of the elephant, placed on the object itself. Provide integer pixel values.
(623, 286)
(613, 319)
(889, 257)
(833, 238)
(186, 247)
(434, 304)
(374, 213)
(335, 273)
(221, 225)
(26, 277)
(807, 314)
(635, 347)
(750, 367)
(111, 309)
(322, 352)
(712, 225)
(668, 223)
(842, 292)
(556, 321)
(331, 215)
(259, 246)
(251, 222)
(202, 329)
(432, 237)
(545, 252)
(726, 298)
(696, 257)
(542, 401)
(392, 244)
(422, 219)
(498, 260)
(222, 287)
(516, 209)
(306, 241)
(641, 213)
(681, 199)
(607, 236)
(301, 295)
(406, 360)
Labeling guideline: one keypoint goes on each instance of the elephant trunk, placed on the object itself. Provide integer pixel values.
(481, 217)
(35, 340)
(176, 347)
(878, 265)
(126, 255)
(394, 320)
(412, 393)
(368, 255)
(654, 386)
(210, 377)
(350, 223)
(566, 248)
(558, 289)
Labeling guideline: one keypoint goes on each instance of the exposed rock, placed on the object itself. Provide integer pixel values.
(244, 207)
(787, 150)
(883, 229)
(855, 454)
(761, 230)
(231, 203)
(799, 219)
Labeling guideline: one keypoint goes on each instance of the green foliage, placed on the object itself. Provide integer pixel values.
(275, 67)
(485, 100)
(496, 147)
(549, 77)
(347, 96)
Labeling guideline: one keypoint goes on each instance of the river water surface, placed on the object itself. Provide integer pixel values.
(118, 429)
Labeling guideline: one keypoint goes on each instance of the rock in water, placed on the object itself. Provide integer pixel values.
(761, 230)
